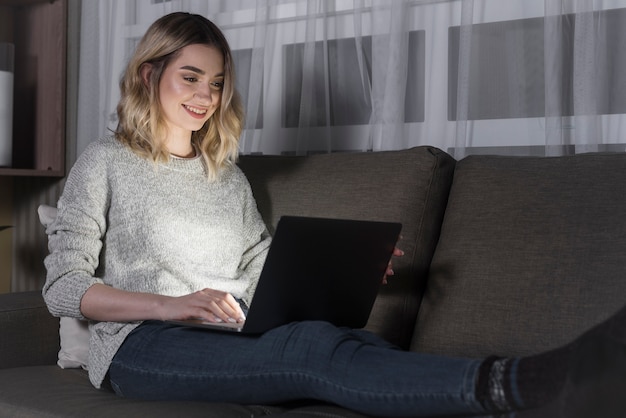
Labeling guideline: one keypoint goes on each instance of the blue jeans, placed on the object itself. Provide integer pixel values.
(303, 360)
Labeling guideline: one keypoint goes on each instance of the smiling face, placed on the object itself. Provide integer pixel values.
(190, 91)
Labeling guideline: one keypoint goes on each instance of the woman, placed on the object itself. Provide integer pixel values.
(173, 220)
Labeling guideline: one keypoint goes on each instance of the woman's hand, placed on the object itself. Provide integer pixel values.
(396, 253)
(207, 304)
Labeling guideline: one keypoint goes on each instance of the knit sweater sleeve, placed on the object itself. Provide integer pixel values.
(258, 239)
(75, 237)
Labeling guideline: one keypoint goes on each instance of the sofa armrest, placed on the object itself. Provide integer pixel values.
(29, 335)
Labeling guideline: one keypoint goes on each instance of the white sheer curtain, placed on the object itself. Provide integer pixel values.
(548, 76)
(544, 77)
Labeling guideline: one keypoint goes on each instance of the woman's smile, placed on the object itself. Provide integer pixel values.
(195, 111)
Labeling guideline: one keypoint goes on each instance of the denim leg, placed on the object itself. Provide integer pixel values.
(304, 360)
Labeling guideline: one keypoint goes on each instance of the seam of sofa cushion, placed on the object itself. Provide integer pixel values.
(420, 227)
(22, 308)
(428, 197)
(436, 165)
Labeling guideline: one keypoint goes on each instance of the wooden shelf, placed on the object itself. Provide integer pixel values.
(25, 172)
(38, 29)
(19, 3)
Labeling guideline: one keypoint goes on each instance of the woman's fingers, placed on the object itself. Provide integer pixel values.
(207, 304)
(224, 306)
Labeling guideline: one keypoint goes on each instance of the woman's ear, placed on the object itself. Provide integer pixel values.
(146, 71)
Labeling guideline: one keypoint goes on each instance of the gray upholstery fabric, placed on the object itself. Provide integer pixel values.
(29, 334)
(409, 186)
(532, 252)
(49, 391)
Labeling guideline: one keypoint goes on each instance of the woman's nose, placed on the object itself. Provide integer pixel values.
(206, 94)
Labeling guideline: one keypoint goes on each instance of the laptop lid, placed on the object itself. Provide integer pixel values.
(318, 269)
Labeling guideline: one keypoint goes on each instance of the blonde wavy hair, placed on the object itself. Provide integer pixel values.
(141, 125)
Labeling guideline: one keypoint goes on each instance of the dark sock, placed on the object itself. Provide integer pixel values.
(512, 383)
(487, 385)
(505, 384)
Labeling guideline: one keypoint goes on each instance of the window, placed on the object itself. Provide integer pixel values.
(350, 101)
(507, 68)
(243, 66)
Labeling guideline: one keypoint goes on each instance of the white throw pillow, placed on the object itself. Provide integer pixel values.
(74, 336)
(73, 333)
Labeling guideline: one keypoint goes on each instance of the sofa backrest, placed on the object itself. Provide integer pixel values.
(30, 335)
(532, 253)
(409, 186)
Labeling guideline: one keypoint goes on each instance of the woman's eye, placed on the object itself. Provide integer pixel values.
(219, 85)
(190, 79)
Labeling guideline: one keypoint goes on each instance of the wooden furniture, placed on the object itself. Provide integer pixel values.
(38, 28)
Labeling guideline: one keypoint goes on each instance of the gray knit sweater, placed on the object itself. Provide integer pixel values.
(144, 227)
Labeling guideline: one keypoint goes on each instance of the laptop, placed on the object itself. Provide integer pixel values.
(317, 269)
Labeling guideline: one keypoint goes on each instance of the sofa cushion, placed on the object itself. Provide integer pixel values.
(30, 335)
(409, 186)
(532, 253)
(49, 391)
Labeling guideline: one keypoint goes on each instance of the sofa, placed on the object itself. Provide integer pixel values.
(503, 255)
